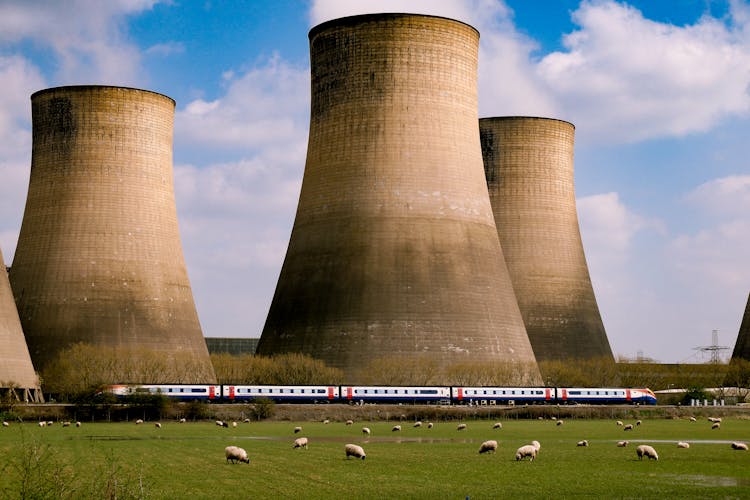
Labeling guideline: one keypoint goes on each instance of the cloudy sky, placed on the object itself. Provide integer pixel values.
(658, 91)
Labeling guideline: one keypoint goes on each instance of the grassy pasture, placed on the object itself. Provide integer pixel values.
(125, 460)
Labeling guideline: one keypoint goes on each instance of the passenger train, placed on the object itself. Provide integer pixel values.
(353, 394)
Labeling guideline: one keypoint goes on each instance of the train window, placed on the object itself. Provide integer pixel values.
(198, 389)
(428, 391)
(503, 392)
(574, 393)
(321, 391)
(539, 392)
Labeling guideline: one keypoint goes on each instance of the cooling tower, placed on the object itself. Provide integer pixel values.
(99, 258)
(742, 346)
(16, 371)
(394, 251)
(528, 164)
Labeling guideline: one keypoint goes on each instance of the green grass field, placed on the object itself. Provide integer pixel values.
(124, 460)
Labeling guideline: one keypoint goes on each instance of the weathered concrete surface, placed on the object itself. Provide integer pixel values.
(394, 250)
(99, 258)
(528, 165)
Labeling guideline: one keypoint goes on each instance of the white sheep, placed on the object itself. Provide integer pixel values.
(78, 424)
(352, 450)
(497, 425)
(528, 450)
(66, 424)
(49, 422)
(5, 424)
(461, 427)
(645, 450)
(219, 423)
(693, 419)
(623, 444)
(536, 445)
(716, 425)
(628, 427)
(418, 423)
(297, 429)
(559, 422)
(637, 422)
(683, 444)
(42, 424)
(429, 425)
(739, 446)
(234, 424)
(620, 423)
(714, 419)
(366, 431)
(300, 443)
(157, 425)
(139, 421)
(236, 454)
(488, 446)
(396, 428)
(183, 420)
(553, 418)
(247, 420)
(326, 421)
(582, 443)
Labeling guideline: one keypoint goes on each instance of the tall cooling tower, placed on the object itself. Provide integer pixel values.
(394, 251)
(528, 164)
(99, 258)
(16, 371)
(742, 347)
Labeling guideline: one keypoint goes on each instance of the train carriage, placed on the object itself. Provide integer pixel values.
(282, 394)
(604, 395)
(180, 392)
(396, 395)
(502, 395)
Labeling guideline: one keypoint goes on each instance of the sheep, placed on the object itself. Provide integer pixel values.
(220, 423)
(553, 418)
(628, 427)
(461, 427)
(139, 421)
(236, 454)
(183, 420)
(645, 450)
(619, 423)
(637, 422)
(559, 422)
(78, 424)
(418, 424)
(582, 443)
(300, 443)
(739, 446)
(297, 429)
(396, 428)
(716, 425)
(247, 420)
(157, 425)
(42, 424)
(683, 444)
(352, 450)
(497, 425)
(326, 421)
(488, 446)
(234, 424)
(693, 419)
(429, 425)
(349, 422)
(714, 419)
(623, 444)
(366, 431)
(536, 445)
(528, 450)
(66, 424)
(49, 422)
(225, 424)
(5, 424)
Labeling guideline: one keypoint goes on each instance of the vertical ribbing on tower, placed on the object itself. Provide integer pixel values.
(528, 165)
(99, 258)
(394, 251)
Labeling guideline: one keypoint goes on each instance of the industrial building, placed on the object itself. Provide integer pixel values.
(394, 250)
(99, 258)
(742, 346)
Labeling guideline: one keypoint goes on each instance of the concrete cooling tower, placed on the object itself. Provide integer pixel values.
(528, 164)
(394, 251)
(742, 347)
(99, 258)
(16, 371)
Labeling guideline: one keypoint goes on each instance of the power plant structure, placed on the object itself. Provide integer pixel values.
(17, 375)
(99, 258)
(394, 251)
(742, 346)
(528, 164)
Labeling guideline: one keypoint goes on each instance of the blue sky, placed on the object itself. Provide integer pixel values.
(658, 92)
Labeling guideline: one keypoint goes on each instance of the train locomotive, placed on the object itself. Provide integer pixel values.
(351, 394)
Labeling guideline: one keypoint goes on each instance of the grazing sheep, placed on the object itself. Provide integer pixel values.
(247, 420)
(225, 424)
(297, 429)
(714, 419)
(497, 425)
(352, 450)
(488, 446)
(683, 444)
(300, 443)
(220, 423)
(139, 421)
(49, 422)
(628, 427)
(582, 443)
(528, 450)
(461, 427)
(78, 424)
(536, 445)
(553, 418)
(645, 450)
(183, 420)
(5, 424)
(559, 422)
(396, 428)
(623, 444)
(157, 425)
(42, 424)
(366, 430)
(692, 419)
(619, 423)
(637, 422)
(349, 422)
(716, 425)
(234, 424)
(429, 425)
(326, 421)
(418, 424)
(236, 454)
(66, 424)
(739, 446)
(540, 418)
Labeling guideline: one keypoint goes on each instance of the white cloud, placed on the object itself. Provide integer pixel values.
(727, 195)
(166, 49)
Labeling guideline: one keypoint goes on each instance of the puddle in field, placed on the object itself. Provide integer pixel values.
(701, 480)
